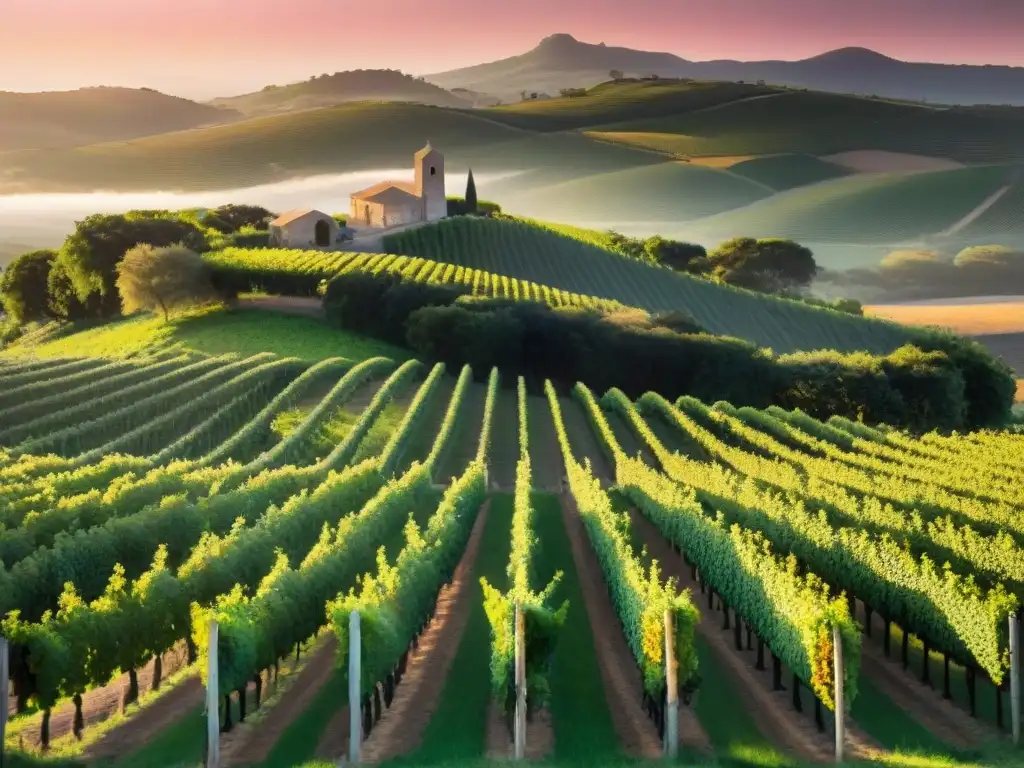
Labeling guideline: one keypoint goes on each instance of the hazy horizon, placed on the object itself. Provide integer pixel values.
(202, 49)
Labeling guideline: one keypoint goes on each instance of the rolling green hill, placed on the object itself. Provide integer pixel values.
(886, 208)
(623, 100)
(1005, 218)
(350, 137)
(663, 191)
(782, 172)
(823, 124)
(331, 90)
(543, 255)
(54, 119)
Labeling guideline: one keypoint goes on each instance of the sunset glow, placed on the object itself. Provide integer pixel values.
(205, 48)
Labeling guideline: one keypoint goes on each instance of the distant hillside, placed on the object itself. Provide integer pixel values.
(561, 61)
(57, 119)
(10, 251)
(341, 87)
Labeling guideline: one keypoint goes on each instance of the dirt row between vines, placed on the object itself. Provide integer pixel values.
(400, 728)
(99, 704)
(623, 686)
(792, 732)
(250, 743)
(944, 719)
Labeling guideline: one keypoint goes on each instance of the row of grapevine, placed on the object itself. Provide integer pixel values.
(298, 272)
(148, 438)
(80, 436)
(956, 477)
(640, 599)
(854, 437)
(28, 409)
(392, 454)
(452, 416)
(793, 615)
(87, 408)
(17, 366)
(951, 612)
(36, 390)
(397, 602)
(242, 442)
(125, 517)
(542, 621)
(84, 643)
(931, 500)
(290, 605)
(65, 367)
(80, 485)
(293, 446)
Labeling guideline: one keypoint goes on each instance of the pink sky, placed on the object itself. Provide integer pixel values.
(205, 48)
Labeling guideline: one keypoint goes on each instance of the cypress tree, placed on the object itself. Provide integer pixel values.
(470, 193)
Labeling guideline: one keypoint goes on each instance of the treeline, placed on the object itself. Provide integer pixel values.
(979, 270)
(944, 381)
(776, 266)
(79, 281)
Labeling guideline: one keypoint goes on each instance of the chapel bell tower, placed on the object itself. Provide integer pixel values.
(429, 167)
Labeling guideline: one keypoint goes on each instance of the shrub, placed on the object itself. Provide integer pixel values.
(380, 305)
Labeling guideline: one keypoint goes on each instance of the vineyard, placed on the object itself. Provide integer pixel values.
(555, 256)
(457, 568)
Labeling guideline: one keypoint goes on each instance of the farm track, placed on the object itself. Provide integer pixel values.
(251, 744)
(925, 705)
(400, 729)
(99, 704)
(622, 684)
(793, 733)
(304, 306)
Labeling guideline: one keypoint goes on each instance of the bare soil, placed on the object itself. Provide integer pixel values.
(306, 306)
(619, 672)
(400, 729)
(99, 704)
(944, 719)
(251, 743)
(793, 732)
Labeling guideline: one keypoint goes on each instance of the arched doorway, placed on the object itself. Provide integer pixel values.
(322, 233)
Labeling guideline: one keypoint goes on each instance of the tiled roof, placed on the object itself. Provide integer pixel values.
(289, 216)
(388, 192)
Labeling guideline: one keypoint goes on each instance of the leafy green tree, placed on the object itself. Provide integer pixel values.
(63, 302)
(769, 265)
(24, 286)
(162, 278)
(470, 193)
(238, 216)
(92, 252)
(682, 257)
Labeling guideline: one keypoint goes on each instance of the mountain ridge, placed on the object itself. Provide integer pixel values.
(562, 61)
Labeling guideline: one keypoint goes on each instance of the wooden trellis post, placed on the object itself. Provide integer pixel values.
(4, 694)
(355, 722)
(520, 672)
(839, 679)
(1015, 677)
(212, 700)
(671, 690)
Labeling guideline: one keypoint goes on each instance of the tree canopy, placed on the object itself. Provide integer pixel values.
(163, 279)
(92, 252)
(770, 265)
(24, 286)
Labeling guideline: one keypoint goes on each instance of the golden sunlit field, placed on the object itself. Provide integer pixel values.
(970, 319)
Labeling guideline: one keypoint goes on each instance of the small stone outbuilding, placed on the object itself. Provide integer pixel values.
(394, 203)
(304, 228)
